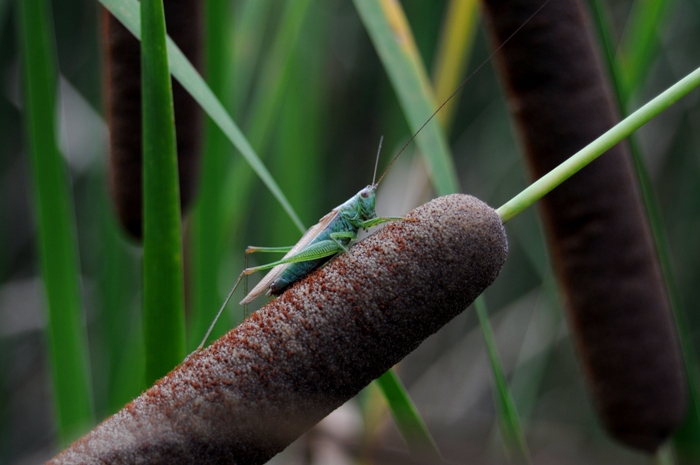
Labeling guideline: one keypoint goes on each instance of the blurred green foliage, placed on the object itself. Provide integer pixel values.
(335, 101)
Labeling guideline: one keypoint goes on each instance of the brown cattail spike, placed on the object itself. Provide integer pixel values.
(258, 388)
(597, 230)
(123, 97)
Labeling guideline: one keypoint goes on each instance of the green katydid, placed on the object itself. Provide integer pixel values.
(330, 236)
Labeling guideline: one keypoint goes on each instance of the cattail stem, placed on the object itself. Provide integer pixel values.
(599, 146)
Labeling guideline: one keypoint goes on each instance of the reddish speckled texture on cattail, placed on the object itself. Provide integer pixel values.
(598, 233)
(258, 388)
(123, 97)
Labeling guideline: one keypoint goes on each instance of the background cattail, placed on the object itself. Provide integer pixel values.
(123, 100)
(598, 234)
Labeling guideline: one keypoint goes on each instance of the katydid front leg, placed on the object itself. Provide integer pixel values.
(380, 220)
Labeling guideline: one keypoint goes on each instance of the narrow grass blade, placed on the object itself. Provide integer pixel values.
(393, 41)
(639, 43)
(409, 421)
(249, 34)
(207, 225)
(297, 155)
(508, 416)
(453, 54)
(53, 204)
(127, 11)
(543, 330)
(122, 361)
(163, 292)
(265, 107)
(687, 437)
(275, 75)
(596, 148)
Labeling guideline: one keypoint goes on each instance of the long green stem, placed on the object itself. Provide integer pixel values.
(627, 126)
(58, 251)
(163, 287)
(206, 245)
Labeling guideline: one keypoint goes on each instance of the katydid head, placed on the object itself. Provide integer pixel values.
(366, 202)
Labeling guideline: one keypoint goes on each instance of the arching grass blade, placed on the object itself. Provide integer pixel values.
(127, 11)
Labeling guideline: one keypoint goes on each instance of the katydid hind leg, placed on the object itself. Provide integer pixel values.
(221, 310)
(244, 275)
(319, 250)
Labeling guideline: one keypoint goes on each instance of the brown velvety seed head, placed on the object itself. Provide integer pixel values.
(258, 388)
(123, 97)
(599, 238)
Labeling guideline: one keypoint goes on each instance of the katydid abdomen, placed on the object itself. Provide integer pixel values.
(294, 273)
(329, 237)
